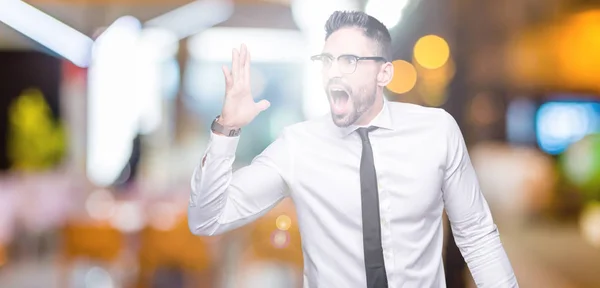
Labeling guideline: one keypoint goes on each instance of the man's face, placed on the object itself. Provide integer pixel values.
(350, 94)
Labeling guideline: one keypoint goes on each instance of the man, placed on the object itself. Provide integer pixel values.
(370, 181)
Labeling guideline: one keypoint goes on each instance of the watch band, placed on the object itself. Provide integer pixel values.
(227, 131)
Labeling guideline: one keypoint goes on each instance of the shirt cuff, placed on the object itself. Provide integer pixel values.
(223, 145)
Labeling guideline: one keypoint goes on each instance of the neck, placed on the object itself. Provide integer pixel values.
(370, 114)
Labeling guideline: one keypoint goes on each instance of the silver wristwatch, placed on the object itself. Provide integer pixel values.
(227, 131)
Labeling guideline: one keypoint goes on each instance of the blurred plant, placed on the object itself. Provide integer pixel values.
(35, 141)
(581, 166)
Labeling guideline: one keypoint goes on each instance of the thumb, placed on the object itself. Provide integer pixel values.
(262, 105)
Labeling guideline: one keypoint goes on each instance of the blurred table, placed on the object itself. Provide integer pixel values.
(551, 255)
(562, 249)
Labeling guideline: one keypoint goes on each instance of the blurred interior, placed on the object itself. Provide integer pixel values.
(105, 107)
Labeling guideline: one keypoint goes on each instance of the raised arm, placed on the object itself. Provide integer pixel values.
(222, 200)
(474, 229)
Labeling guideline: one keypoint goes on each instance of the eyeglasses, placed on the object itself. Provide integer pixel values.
(346, 63)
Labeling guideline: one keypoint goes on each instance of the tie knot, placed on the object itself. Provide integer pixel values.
(364, 132)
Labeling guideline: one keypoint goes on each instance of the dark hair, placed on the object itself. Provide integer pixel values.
(371, 27)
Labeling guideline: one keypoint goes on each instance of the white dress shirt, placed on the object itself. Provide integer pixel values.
(422, 167)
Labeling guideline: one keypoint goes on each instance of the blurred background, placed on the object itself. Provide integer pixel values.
(105, 107)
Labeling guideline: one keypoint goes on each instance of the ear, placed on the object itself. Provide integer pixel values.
(385, 75)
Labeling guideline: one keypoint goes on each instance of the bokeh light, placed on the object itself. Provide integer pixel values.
(163, 216)
(100, 204)
(562, 55)
(405, 77)
(280, 239)
(590, 223)
(98, 277)
(431, 51)
(128, 217)
(380, 9)
(581, 165)
(577, 49)
(283, 222)
(559, 124)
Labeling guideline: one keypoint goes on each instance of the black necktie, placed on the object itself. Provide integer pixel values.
(374, 264)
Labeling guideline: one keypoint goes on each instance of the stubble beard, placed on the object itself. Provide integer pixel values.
(360, 105)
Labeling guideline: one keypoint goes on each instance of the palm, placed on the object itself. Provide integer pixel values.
(239, 107)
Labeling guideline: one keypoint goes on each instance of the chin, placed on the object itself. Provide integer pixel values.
(341, 124)
(342, 120)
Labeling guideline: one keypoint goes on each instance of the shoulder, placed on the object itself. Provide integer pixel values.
(415, 109)
(421, 116)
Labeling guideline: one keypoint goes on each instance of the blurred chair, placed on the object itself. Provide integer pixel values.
(93, 241)
(272, 253)
(173, 254)
(97, 240)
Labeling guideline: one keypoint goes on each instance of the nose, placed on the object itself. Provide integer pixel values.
(334, 70)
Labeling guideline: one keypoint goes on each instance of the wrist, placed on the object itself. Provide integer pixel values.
(227, 124)
(223, 128)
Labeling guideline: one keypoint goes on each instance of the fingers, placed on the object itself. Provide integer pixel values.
(228, 78)
(235, 65)
(243, 53)
(240, 68)
(262, 105)
(247, 68)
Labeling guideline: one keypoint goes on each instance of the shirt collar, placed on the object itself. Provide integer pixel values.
(382, 120)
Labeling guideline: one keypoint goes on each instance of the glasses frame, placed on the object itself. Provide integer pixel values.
(319, 57)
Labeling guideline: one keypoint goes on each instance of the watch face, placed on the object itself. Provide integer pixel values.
(216, 127)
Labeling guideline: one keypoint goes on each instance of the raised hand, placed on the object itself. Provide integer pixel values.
(239, 107)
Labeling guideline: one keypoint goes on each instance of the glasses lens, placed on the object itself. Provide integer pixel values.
(321, 61)
(347, 64)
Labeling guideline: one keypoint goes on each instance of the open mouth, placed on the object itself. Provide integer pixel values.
(339, 99)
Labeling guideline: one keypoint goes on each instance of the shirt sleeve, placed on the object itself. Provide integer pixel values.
(222, 200)
(473, 228)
